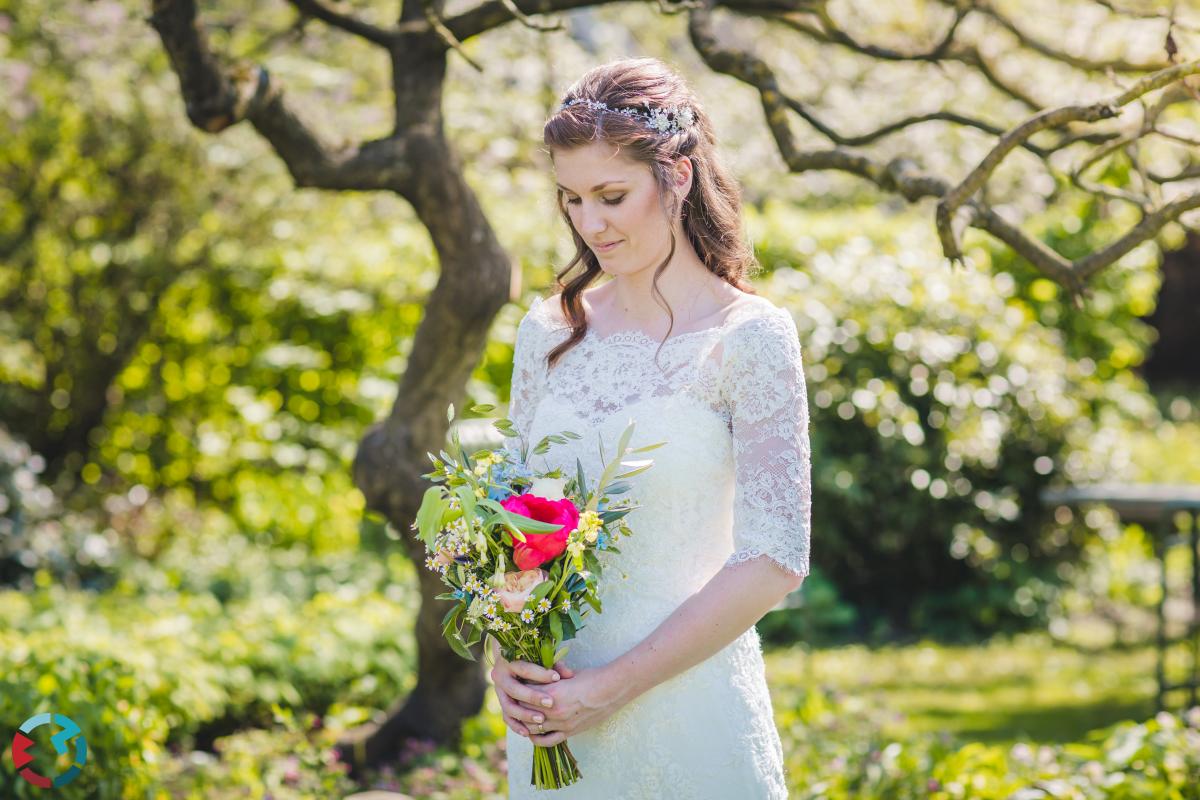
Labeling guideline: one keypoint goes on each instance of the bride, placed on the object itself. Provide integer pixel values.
(664, 694)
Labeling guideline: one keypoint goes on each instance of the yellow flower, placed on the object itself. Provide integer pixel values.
(479, 492)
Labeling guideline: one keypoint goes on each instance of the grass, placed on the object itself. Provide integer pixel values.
(1006, 690)
(829, 702)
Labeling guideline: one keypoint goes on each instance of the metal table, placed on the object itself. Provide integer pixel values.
(1154, 506)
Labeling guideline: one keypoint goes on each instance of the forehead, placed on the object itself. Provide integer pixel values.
(580, 168)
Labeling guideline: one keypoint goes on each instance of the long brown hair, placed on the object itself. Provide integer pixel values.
(711, 212)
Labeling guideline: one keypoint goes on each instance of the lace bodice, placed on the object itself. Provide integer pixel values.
(744, 374)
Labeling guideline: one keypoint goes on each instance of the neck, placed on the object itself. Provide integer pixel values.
(688, 287)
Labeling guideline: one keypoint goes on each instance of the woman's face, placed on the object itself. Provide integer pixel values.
(613, 200)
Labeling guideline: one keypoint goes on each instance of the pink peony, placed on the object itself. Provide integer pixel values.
(538, 548)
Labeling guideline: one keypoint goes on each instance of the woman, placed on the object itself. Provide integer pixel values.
(663, 695)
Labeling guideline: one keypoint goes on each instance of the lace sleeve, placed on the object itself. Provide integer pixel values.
(763, 382)
(528, 378)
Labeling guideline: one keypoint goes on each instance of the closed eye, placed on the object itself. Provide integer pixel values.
(613, 202)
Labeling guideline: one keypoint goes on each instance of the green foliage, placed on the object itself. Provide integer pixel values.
(174, 318)
(152, 665)
(816, 615)
(285, 763)
(942, 404)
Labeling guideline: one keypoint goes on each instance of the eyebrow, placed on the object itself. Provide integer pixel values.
(595, 188)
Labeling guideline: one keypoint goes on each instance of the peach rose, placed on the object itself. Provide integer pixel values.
(518, 586)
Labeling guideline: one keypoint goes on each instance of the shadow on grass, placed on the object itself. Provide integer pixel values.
(1046, 724)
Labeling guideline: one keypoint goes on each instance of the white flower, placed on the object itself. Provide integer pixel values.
(543, 605)
(527, 615)
(549, 488)
(686, 117)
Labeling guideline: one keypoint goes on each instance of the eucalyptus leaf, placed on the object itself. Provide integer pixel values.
(633, 472)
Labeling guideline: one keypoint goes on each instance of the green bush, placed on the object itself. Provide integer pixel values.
(943, 401)
(148, 668)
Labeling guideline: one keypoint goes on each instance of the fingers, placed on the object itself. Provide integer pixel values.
(525, 693)
(549, 740)
(521, 719)
(562, 669)
(533, 672)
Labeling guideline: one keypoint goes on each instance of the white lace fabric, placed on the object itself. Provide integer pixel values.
(731, 484)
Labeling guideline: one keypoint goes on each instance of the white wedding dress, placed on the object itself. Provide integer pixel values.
(732, 484)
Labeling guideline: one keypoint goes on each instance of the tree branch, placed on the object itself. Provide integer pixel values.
(964, 53)
(346, 22)
(217, 97)
(1079, 62)
(956, 209)
(1105, 109)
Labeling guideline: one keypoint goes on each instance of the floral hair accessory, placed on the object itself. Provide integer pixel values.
(669, 120)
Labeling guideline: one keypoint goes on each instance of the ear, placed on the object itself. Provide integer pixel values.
(683, 175)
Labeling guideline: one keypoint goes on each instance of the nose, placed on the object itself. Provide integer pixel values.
(591, 220)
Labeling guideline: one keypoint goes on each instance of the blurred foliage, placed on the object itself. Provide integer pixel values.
(203, 645)
(942, 404)
(170, 322)
(287, 762)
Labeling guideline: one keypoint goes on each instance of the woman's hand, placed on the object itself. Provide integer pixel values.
(582, 700)
(520, 700)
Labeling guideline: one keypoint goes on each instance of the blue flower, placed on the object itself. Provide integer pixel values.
(601, 541)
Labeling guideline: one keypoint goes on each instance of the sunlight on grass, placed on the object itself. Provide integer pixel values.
(1026, 689)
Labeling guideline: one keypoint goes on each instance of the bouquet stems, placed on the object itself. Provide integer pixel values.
(554, 767)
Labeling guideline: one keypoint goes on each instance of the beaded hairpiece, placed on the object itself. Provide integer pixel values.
(669, 120)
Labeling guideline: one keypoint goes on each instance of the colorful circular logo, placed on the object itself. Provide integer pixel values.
(22, 743)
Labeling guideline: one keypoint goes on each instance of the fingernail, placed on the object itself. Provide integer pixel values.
(547, 702)
(555, 675)
(539, 719)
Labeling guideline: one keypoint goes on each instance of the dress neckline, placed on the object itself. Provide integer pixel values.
(638, 336)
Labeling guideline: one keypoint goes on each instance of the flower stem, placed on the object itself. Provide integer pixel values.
(554, 767)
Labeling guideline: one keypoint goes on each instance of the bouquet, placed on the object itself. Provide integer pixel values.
(518, 548)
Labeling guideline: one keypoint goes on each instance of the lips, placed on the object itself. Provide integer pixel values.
(604, 248)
